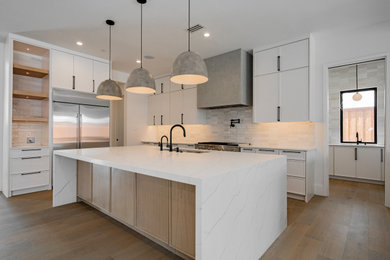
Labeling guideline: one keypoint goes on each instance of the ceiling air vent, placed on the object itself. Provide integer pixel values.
(195, 28)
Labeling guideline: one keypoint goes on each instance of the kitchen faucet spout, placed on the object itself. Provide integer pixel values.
(170, 135)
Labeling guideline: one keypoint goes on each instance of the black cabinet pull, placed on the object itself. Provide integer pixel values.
(382, 155)
(161, 119)
(30, 173)
(278, 63)
(154, 120)
(267, 150)
(93, 86)
(356, 154)
(278, 114)
(182, 86)
(291, 152)
(182, 118)
(162, 87)
(30, 150)
(29, 158)
(74, 82)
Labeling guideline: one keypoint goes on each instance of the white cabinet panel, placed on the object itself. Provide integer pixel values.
(163, 85)
(29, 180)
(191, 114)
(266, 62)
(176, 105)
(163, 109)
(296, 168)
(266, 98)
(344, 161)
(61, 73)
(176, 87)
(369, 164)
(267, 151)
(248, 150)
(83, 72)
(29, 164)
(100, 73)
(294, 55)
(331, 161)
(294, 95)
(153, 106)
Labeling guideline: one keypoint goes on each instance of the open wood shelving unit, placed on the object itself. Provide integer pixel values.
(30, 117)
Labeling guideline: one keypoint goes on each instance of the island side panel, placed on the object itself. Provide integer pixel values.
(243, 213)
(64, 180)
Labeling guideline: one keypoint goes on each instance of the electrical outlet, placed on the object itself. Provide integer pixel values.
(30, 140)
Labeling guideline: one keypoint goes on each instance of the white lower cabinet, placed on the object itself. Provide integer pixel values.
(29, 168)
(361, 162)
(300, 170)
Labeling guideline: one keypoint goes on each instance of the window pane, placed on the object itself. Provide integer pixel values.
(359, 116)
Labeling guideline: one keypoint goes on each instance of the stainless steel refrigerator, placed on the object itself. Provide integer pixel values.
(80, 120)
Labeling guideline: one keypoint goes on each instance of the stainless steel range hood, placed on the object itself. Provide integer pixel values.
(230, 81)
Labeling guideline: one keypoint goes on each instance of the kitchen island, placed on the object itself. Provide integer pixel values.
(203, 205)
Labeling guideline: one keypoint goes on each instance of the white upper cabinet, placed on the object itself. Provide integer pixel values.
(175, 87)
(163, 109)
(294, 55)
(70, 71)
(281, 83)
(153, 107)
(294, 95)
(176, 107)
(190, 113)
(266, 62)
(100, 73)
(163, 85)
(266, 98)
(83, 73)
(61, 70)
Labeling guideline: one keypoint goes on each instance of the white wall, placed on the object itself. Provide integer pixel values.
(1, 106)
(340, 47)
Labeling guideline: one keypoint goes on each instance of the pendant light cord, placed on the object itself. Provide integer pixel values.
(357, 79)
(189, 25)
(109, 55)
(141, 36)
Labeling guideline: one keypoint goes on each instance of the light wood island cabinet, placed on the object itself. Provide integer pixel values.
(84, 181)
(101, 187)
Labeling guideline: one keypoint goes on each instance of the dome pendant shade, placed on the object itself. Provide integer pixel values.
(109, 90)
(357, 96)
(141, 82)
(189, 69)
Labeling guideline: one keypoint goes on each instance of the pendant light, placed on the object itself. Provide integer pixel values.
(357, 96)
(109, 89)
(140, 80)
(189, 68)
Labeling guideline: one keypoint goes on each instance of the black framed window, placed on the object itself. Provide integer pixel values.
(358, 118)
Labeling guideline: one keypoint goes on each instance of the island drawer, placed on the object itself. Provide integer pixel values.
(295, 155)
(248, 150)
(267, 151)
(29, 180)
(29, 152)
(29, 164)
(296, 185)
(296, 168)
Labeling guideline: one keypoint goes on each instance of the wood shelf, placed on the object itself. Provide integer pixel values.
(30, 95)
(30, 119)
(30, 71)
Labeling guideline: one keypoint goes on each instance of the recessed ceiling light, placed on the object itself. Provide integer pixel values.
(206, 34)
(79, 43)
(138, 61)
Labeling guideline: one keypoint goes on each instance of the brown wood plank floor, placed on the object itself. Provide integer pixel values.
(351, 223)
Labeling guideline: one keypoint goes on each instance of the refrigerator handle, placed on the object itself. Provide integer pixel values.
(79, 116)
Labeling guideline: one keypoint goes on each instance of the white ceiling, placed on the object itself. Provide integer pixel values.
(233, 24)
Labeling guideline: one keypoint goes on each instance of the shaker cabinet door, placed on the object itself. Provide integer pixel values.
(83, 72)
(266, 62)
(100, 74)
(369, 163)
(344, 161)
(61, 70)
(176, 107)
(294, 55)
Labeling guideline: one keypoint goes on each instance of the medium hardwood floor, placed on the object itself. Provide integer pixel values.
(351, 223)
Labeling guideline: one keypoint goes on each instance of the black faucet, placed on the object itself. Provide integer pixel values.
(161, 142)
(357, 139)
(170, 135)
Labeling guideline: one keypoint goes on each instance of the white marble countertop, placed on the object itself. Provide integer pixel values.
(360, 145)
(190, 168)
(279, 147)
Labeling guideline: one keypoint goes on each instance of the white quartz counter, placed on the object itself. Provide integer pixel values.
(190, 168)
(241, 198)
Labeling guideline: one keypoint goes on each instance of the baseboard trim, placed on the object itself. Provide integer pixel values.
(30, 190)
(356, 180)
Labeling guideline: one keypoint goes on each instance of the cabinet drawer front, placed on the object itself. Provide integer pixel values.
(29, 180)
(296, 185)
(29, 164)
(295, 155)
(29, 152)
(267, 151)
(296, 168)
